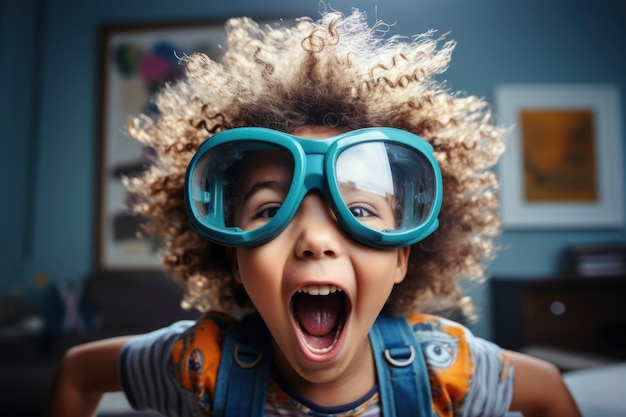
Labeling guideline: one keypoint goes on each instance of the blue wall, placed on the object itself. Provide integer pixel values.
(48, 83)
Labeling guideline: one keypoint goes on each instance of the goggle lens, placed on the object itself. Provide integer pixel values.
(386, 186)
(241, 185)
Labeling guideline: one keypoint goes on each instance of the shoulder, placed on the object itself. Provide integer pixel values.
(463, 368)
(205, 334)
(186, 353)
(429, 319)
(183, 333)
(197, 352)
(446, 346)
(442, 340)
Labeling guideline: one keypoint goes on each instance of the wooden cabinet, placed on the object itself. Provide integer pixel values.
(586, 315)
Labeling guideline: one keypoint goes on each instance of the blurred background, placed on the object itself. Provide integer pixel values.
(53, 287)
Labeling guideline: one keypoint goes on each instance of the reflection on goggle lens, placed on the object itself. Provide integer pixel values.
(384, 186)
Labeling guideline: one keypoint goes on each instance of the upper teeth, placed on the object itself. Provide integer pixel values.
(319, 289)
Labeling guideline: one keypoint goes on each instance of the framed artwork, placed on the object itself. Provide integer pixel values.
(562, 167)
(135, 61)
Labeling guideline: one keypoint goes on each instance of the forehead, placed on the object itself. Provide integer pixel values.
(317, 131)
(276, 162)
(271, 161)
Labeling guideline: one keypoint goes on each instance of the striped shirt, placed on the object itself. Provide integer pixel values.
(174, 370)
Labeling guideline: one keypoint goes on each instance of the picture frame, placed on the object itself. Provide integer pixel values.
(562, 167)
(134, 62)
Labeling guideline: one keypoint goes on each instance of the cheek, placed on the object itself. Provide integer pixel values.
(259, 272)
(379, 274)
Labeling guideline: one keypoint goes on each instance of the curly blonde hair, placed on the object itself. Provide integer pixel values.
(340, 72)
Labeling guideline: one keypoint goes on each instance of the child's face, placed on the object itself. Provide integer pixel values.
(318, 290)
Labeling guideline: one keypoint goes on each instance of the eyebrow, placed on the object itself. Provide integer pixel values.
(261, 185)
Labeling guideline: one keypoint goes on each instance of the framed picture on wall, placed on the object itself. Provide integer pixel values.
(135, 61)
(562, 167)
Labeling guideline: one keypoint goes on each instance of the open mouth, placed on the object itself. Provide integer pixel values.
(320, 313)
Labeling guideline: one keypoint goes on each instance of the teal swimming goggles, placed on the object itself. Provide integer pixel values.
(244, 185)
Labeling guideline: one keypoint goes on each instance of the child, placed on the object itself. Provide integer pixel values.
(319, 203)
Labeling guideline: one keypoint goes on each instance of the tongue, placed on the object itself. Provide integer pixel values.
(318, 315)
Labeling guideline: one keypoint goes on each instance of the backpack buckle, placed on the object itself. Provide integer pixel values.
(246, 356)
(398, 357)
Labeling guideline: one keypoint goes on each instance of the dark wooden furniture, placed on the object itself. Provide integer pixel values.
(586, 315)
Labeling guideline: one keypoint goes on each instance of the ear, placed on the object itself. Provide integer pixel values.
(403, 264)
(234, 264)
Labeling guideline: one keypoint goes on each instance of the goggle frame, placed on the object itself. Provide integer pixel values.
(314, 169)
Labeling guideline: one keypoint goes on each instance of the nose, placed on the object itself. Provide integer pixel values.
(319, 232)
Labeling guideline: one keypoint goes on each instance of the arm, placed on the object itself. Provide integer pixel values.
(85, 374)
(539, 390)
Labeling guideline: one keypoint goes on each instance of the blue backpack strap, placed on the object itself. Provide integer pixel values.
(243, 373)
(401, 368)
